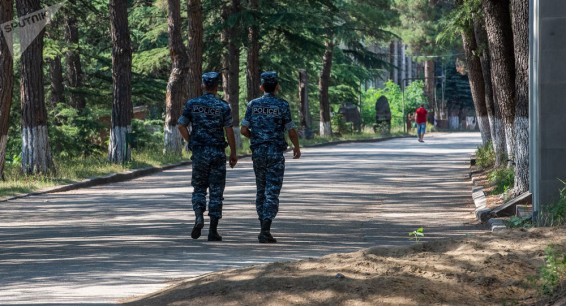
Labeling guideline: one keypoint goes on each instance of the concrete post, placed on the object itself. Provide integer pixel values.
(547, 106)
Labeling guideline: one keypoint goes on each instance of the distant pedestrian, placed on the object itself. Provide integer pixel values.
(420, 118)
(209, 117)
(265, 122)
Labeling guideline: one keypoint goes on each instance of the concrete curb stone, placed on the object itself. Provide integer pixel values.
(483, 214)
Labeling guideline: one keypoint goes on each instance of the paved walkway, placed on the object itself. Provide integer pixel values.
(99, 245)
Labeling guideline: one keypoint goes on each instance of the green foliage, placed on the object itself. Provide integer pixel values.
(458, 20)
(519, 222)
(417, 234)
(485, 156)
(503, 178)
(72, 169)
(419, 26)
(554, 214)
(74, 133)
(552, 274)
(414, 97)
(147, 134)
(340, 125)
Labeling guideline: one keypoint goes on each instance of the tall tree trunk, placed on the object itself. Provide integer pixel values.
(493, 110)
(195, 48)
(6, 83)
(305, 116)
(57, 87)
(253, 68)
(500, 41)
(73, 57)
(122, 110)
(520, 11)
(177, 86)
(231, 64)
(36, 153)
(430, 84)
(324, 83)
(477, 84)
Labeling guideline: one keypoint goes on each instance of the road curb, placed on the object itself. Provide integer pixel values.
(482, 212)
(101, 180)
(132, 174)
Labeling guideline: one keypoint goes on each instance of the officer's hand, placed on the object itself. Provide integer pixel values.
(296, 153)
(233, 160)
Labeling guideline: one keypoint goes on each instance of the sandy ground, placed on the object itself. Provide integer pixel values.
(486, 269)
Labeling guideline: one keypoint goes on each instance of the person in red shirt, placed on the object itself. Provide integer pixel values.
(420, 118)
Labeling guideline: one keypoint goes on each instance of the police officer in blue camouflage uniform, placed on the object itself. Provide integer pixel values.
(209, 117)
(265, 122)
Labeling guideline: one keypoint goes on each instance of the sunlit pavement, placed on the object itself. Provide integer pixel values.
(100, 245)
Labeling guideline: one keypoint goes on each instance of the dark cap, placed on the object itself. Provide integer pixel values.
(269, 78)
(210, 78)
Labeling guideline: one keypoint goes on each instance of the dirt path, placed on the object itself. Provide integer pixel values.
(103, 244)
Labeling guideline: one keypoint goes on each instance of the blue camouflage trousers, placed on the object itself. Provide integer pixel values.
(269, 168)
(209, 172)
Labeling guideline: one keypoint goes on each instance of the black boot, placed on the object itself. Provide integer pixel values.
(199, 224)
(265, 234)
(213, 232)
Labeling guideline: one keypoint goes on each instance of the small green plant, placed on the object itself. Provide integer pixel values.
(417, 234)
(520, 222)
(553, 273)
(340, 125)
(485, 156)
(554, 214)
(502, 178)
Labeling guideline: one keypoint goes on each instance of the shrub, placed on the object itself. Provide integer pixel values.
(553, 273)
(147, 134)
(554, 214)
(485, 156)
(73, 133)
(503, 179)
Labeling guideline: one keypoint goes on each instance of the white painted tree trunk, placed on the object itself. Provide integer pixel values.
(36, 154)
(173, 141)
(499, 142)
(483, 124)
(510, 142)
(237, 137)
(118, 148)
(325, 129)
(521, 155)
(3, 143)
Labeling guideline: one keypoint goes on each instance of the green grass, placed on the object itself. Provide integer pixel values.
(70, 170)
(552, 275)
(503, 178)
(485, 156)
(554, 214)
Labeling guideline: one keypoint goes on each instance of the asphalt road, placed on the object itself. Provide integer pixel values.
(100, 245)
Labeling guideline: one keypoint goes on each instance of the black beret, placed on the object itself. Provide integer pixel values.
(269, 78)
(210, 78)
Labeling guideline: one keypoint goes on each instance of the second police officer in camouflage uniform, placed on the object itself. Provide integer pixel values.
(209, 117)
(265, 122)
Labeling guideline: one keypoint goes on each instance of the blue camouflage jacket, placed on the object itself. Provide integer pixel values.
(208, 116)
(267, 118)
